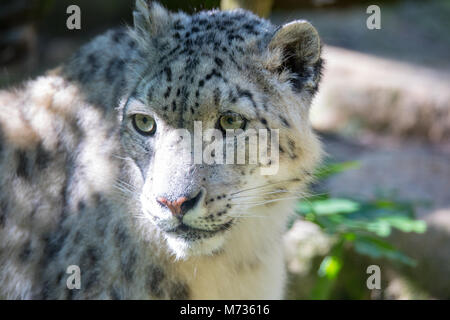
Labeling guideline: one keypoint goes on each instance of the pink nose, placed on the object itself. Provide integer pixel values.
(182, 205)
(174, 206)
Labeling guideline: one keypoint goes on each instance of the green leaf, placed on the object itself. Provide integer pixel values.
(380, 228)
(328, 206)
(330, 267)
(405, 224)
(377, 248)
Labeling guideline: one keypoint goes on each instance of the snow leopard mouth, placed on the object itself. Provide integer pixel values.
(192, 233)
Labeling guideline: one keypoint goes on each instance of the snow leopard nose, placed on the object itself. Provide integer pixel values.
(180, 206)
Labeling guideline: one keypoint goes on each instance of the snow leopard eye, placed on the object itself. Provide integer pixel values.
(144, 124)
(232, 121)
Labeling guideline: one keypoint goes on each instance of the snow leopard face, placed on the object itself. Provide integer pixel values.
(216, 71)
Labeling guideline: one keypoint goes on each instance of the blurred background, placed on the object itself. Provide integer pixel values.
(383, 114)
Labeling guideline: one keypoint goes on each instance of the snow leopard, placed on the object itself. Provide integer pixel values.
(94, 174)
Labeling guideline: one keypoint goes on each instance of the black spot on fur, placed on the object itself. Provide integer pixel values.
(232, 37)
(170, 53)
(3, 211)
(221, 213)
(167, 93)
(155, 277)
(242, 93)
(97, 199)
(91, 279)
(150, 93)
(23, 169)
(1, 141)
(114, 68)
(285, 122)
(118, 35)
(250, 28)
(178, 25)
(213, 73)
(291, 144)
(232, 97)
(217, 95)
(240, 49)
(121, 236)
(53, 244)
(114, 294)
(78, 237)
(42, 157)
(25, 253)
(46, 290)
(59, 276)
(89, 262)
(93, 63)
(132, 44)
(128, 265)
(219, 62)
(168, 73)
(81, 205)
(83, 75)
(101, 221)
(71, 294)
(179, 291)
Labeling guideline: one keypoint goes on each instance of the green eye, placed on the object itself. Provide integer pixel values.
(232, 121)
(144, 124)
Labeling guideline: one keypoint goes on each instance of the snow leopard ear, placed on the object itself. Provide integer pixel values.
(150, 18)
(299, 45)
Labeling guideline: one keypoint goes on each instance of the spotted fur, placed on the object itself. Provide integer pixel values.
(79, 184)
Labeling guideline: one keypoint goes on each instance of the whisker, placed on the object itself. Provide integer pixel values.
(120, 157)
(262, 186)
(245, 216)
(262, 194)
(125, 184)
(123, 189)
(254, 204)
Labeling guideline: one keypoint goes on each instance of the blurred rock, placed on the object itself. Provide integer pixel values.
(305, 245)
(303, 242)
(360, 91)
